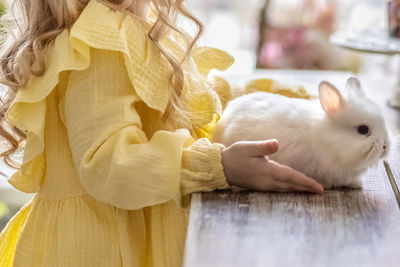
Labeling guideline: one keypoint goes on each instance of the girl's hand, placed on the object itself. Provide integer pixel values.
(246, 165)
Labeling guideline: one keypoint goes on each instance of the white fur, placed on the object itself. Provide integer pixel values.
(322, 145)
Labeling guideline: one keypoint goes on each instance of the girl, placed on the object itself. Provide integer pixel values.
(111, 100)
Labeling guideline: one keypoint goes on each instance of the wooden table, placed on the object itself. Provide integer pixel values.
(339, 228)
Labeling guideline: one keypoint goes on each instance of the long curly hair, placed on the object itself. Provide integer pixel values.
(30, 27)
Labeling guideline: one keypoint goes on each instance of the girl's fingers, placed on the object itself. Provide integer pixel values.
(287, 187)
(284, 174)
(259, 148)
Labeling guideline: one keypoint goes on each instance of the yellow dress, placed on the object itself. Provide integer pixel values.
(111, 179)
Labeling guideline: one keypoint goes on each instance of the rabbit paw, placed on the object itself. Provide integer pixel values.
(355, 184)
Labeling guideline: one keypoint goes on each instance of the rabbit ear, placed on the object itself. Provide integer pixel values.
(353, 86)
(330, 98)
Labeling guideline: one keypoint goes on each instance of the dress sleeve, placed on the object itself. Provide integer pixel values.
(115, 160)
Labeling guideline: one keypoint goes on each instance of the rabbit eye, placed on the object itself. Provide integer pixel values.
(363, 129)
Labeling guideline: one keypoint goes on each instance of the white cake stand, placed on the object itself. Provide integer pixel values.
(371, 41)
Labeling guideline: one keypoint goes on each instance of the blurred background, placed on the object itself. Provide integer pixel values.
(273, 34)
(291, 34)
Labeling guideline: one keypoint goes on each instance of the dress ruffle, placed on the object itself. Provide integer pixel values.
(28, 111)
(119, 32)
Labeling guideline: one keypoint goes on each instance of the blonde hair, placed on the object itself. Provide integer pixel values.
(40, 21)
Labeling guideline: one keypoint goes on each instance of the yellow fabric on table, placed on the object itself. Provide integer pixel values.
(275, 87)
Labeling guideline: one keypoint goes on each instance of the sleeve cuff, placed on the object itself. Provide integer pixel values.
(202, 168)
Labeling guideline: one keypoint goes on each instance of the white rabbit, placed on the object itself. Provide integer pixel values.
(333, 140)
